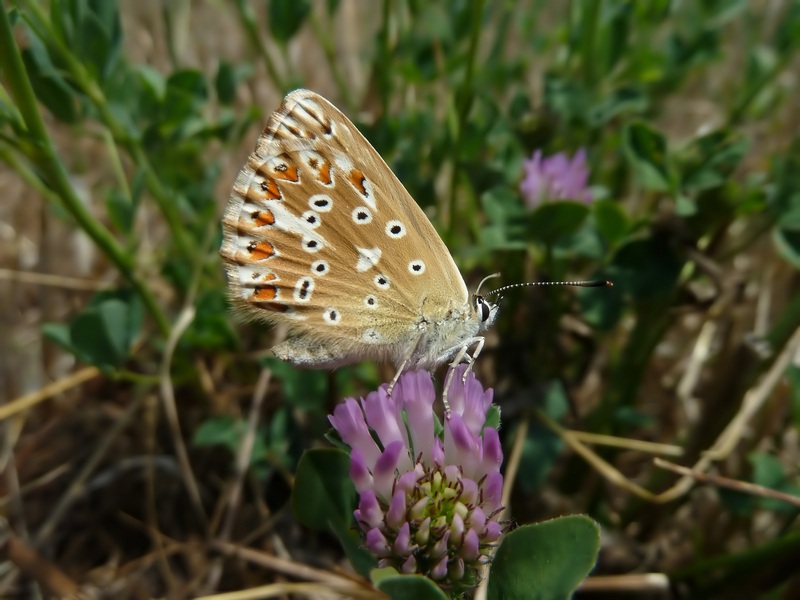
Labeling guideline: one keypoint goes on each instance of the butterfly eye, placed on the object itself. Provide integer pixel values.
(483, 308)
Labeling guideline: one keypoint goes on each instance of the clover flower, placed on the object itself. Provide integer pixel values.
(555, 177)
(427, 504)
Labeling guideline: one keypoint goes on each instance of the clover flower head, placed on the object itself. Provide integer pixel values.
(427, 504)
(556, 177)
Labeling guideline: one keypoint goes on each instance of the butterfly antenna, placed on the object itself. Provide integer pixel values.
(484, 280)
(593, 283)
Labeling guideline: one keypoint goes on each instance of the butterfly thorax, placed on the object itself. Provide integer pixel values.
(442, 335)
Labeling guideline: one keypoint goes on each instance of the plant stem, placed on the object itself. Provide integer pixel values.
(163, 198)
(330, 54)
(47, 160)
(463, 104)
(248, 21)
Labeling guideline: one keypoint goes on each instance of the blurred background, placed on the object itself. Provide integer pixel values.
(147, 435)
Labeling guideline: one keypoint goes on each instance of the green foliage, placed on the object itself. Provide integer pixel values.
(686, 111)
(542, 446)
(103, 333)
(399, 587)
(323, 493)
(323, 498)
(546, 561)
(647, 151)
(768, 472)
(286, 17)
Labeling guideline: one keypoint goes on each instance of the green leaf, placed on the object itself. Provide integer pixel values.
(227, 431)
(102, 38)
(323, 493)
(153, 82)
(629, 417)
(492, 417)
(685, 206)
(770, 473)
(793, 375)
(555, 220)
(787, 33)
(186, 93)
(48, 83)
(653, 12)
(228, 78)
(59, 333)
(121, 210)
(286, 17)
(542, 447)
(603, 308)
(645, 268)
(221, 431)
(710, 159)
(506, 215)
(546, 561)
(102, 333)
(621, 101)
(211, 328)
(716, 13)
(363, 561)
(784, 194)
(566, 98)
(787, 241)
(406, 587)
(611, 221)
(92, 31)
(302, 388)
(614, 32)
(332, 6)
(585, 242)
(646, 150)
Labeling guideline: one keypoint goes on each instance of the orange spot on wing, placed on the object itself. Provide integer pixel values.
(261, 250)
(358, 180)
(265, 293)
(287, 172)
(270, 188)
(263, 217)
(325, 173)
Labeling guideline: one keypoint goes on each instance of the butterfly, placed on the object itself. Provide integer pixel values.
(320, 236)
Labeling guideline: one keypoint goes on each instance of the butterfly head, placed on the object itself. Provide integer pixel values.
(485, 311)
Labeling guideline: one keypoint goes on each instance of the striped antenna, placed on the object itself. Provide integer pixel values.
(593, 283)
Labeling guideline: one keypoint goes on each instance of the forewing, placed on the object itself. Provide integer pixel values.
(319, 234)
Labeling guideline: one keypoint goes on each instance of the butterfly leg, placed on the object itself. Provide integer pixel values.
(462, 355)
(404, 364)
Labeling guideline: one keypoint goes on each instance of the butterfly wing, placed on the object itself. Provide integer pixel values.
(321, 236)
